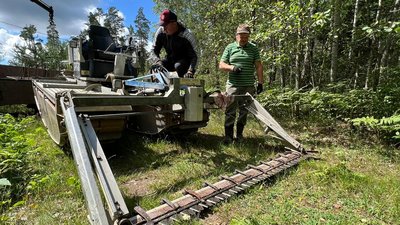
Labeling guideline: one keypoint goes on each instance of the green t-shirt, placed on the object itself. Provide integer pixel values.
(244, 57)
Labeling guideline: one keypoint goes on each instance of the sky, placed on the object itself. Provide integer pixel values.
(69, 17)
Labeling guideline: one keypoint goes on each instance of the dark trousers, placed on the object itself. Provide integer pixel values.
(231, 110)
(181, 66)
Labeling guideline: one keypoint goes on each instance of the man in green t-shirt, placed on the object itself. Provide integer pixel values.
(240, 58)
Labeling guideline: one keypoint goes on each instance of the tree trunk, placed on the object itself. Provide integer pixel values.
(388, 44)
(356, 75)
(353, 69)
(306, 62)
(335, 40)
(353, 31)
(299, 48)
(322, 67)
(272, 67)
(311, 68)
(369, 65)
(297, 64)
(369, 77)
(305, 73)
(280, 69)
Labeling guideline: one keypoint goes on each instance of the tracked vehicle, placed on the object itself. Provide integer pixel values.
(104, 96)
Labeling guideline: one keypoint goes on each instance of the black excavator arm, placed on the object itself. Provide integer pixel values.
(45, 7)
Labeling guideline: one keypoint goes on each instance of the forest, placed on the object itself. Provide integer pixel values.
(332, 59)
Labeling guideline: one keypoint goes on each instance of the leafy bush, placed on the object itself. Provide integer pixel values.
(330, 105)
(14, 164)
(23, 110)
(388, 128)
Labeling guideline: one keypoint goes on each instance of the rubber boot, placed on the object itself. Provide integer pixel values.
(228, 135)
(239, 132)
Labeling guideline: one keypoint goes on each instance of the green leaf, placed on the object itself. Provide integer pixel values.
(19, 203)
(4, 182)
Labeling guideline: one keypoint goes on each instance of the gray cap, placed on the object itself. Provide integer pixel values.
(243, 29)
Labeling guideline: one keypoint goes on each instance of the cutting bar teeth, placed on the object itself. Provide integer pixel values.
(164, 222)
(203, 205)
(212, 194)
(245, 185)
(196, 209)
(175, 218)
(220, 197)
(251, 182)
(234, 192)
(226, 194)
(212, 202)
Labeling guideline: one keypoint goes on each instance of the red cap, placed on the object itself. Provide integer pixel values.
(166, 17)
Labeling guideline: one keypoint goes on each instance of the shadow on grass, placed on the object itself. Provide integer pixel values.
(135, 153)
(132, 152)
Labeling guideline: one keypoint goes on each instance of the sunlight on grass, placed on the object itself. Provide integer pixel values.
(353, 182)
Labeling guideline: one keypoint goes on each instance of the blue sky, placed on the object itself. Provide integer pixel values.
(130, 7)
(69, 17)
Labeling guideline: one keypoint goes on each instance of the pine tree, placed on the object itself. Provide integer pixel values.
(25, 54)
(114, 22)
(142, 34)
(94, 18)
(54, 51)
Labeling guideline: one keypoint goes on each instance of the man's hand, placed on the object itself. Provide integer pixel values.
(189, 74)
(158, 62)
(157, 65)
(259, 88)
(236, 69)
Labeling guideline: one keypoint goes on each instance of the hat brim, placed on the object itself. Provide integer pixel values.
(164, 23)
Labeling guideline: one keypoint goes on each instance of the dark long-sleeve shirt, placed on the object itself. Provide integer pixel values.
(181, 45)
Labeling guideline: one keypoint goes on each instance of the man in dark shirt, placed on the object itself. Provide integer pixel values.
(179, 44)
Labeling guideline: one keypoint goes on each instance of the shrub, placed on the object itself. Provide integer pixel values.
(14, 166)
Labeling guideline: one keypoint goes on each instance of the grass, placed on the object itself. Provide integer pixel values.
(355, 182)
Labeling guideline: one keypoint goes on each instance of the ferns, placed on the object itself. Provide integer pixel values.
(388, 126)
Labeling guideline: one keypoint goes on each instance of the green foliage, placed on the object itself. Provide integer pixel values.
(347, 104)
(16, 110)
(296, 37)
(14, 164)
(26, 54)
(388, 127)
(32, 54)
(142, 25)
(114, 22)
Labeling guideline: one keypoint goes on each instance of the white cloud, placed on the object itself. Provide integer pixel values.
(8, 41)
(69, 16)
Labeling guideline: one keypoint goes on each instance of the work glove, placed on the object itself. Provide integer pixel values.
(158, 62)
(236, 69)
(156, 65)
(259, 88)
(189, 74)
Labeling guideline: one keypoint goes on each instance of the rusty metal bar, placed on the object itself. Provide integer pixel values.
(194, 202)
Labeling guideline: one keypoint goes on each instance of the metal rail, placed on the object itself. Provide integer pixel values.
(90, 160)
(194, 202)
(97, 214)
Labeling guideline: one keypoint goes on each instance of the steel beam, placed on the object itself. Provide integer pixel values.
(113, 196)
(97, 213)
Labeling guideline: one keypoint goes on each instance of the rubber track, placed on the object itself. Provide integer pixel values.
(194, 202)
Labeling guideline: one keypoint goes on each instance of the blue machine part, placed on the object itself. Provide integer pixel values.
(159, 83)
